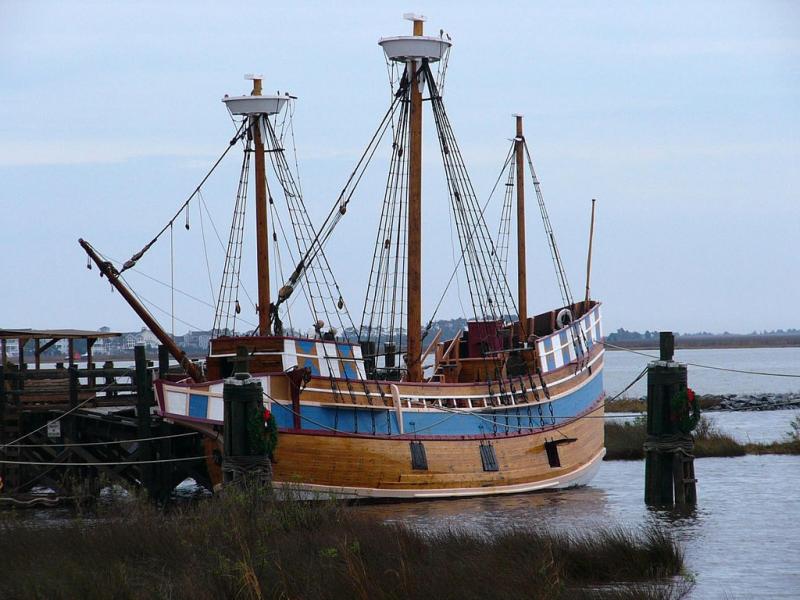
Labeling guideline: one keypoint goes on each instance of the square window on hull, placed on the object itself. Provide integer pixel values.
(419, 460)
(488, 457)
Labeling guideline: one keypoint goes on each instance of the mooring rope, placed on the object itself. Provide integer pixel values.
(700, 366)
(125, 441)
(671, 443)
(100, 464)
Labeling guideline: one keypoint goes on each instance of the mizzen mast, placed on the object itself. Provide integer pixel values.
(522, 281)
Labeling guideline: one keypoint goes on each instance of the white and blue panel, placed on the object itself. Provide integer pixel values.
(196, 403)
(323, 358)
(353, 419)
(567, 345)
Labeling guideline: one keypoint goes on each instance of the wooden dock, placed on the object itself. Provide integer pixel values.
(74, 429)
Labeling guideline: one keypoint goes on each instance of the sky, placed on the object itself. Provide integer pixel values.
(681, 118)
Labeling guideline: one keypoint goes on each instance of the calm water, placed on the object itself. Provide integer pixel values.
(743, 541)
(622, 367)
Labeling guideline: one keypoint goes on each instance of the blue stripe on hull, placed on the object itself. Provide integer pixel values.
(347, 419)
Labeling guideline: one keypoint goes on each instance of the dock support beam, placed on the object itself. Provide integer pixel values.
(669, 464)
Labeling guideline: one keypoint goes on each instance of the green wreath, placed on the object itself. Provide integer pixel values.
(685, 410)
(262, 431)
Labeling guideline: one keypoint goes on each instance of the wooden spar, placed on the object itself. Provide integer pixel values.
(522, 279)
(262, 233)
(414, 318)
(589, 257)
(107, 269)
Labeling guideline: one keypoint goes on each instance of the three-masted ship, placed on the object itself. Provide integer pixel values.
(509, 404)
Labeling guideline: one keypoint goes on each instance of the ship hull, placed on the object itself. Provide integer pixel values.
(382, 468)
(359, 440)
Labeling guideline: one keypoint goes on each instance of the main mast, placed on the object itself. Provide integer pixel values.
(414, 324)
(415, 52)
(522, 280)
(262, 233)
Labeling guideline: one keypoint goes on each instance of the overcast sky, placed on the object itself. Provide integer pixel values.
(681, 118)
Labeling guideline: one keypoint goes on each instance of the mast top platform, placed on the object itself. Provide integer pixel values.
(403, 48)
(256, 103)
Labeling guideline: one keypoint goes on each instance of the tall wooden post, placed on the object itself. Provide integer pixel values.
(522, 279)
(668, 466)
(163, 361)
(71, 424)
(144, 398)
(262, 232)
(414, 282)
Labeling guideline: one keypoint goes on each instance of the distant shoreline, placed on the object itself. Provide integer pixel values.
(698, 342)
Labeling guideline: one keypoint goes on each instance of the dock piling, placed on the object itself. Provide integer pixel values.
(669, 463)
(244, 460)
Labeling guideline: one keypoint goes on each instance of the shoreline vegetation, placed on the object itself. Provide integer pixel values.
(244, 543)
(625, 440)
(649, 340)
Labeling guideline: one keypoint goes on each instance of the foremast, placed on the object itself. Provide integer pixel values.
(256, 109)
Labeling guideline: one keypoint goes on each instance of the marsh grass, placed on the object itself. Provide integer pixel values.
(790, 444)
(624, 441)
(246, 544)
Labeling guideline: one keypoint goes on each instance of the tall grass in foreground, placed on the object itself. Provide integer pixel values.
(247, 545)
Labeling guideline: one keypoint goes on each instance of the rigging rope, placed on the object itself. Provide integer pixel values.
(133, 259)
(461, 258)
(205, 250)
(340, 207)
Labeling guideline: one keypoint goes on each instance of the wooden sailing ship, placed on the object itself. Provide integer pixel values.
(374, 410)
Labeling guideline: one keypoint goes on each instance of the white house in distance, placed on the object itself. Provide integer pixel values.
(145, 338)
